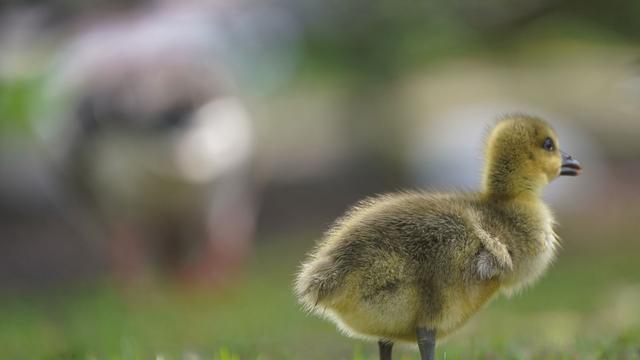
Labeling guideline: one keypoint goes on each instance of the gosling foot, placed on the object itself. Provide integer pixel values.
(385, 347)
(426, 343)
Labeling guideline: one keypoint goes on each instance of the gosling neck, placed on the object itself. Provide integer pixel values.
(506, 183)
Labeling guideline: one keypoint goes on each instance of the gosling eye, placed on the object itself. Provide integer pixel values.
(548, 144)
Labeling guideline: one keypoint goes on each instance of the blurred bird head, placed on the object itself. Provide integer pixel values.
(522, 156)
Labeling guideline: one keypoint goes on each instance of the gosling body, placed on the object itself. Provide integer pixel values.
(415, 266)
(377, 277)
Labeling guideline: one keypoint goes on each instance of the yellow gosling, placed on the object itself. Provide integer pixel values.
(415, 266)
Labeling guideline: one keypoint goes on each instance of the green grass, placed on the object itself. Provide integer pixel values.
(586, 307)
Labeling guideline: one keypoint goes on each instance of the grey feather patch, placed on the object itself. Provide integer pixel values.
(486, 265)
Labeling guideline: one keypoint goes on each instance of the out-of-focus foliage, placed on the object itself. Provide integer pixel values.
(17, 98)
(382, 37)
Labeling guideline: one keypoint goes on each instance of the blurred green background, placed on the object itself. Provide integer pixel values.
(166, 165)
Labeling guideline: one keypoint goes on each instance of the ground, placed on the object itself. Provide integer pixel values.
(586, 307)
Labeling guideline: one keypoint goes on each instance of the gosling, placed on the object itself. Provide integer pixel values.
(415, 266)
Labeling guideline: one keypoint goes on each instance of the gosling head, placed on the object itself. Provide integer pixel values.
(522, 156)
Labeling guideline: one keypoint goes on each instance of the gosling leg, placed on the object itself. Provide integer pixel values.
(426, 343)
(385, 347)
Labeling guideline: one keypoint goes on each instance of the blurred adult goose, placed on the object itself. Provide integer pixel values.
(157, 145)
(415, 266)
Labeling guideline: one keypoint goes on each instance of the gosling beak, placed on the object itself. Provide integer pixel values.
(570, 166)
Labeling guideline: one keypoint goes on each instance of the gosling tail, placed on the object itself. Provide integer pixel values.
(316, 281)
